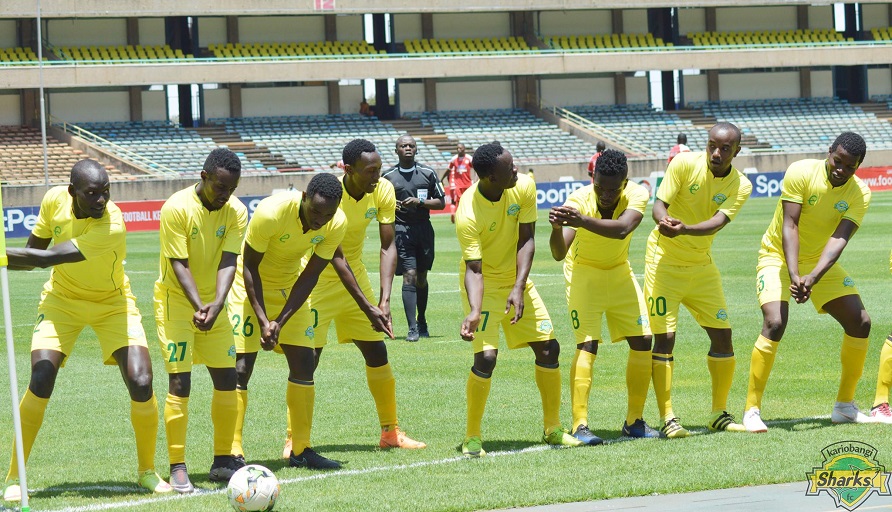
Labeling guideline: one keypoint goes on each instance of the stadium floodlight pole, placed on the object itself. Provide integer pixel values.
(13, 380)
(46, 163)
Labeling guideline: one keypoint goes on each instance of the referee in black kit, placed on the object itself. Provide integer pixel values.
(418, 191)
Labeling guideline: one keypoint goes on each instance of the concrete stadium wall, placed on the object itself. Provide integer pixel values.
(490, 24)
(349, 96)
(406, 26)
(879, 81)
(82, 107)
(10, 113)
(695, 88)
(822, 83)
(567, 23)
(154, 105)
(281, 29)
(691, 20)
(216, 103)
(284, 101)
(875, 16)
(86, 32)
(728, 19)
(637, 89)
(781, 84)
(151, 31)
(7, 34)
(350, 28)
(211, 30)
(411, 97)
(564, 92)
(474, 95)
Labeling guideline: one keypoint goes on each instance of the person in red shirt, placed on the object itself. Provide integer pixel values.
(599, 148)
(459, 174)
(680, 147)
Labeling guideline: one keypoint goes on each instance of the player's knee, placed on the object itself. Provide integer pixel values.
(773, 327)
(43, 379)
(550, 352)
(179, 384)
(485, 362)
(140, 386)
(860, 327)
(409, 277)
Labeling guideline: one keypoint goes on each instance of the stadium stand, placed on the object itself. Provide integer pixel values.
(768, 37)
(473, 45)
(118, 53)
(605, 41)
(532, 141)
(276, 51)
(21, 158)
(315, 142)
(881, 33)
(789, 124)
(17, 55)
(161, 142)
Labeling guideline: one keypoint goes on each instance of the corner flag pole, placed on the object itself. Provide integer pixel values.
(13, 379)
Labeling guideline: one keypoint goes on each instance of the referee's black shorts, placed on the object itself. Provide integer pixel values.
(414, 247)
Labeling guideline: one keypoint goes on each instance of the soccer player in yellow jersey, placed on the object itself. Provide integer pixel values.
(495, 222)
(86, 287)
(700, 194)
(591, 233)
(202, 228)
(880, 411)
(822, 204)
(291, 239)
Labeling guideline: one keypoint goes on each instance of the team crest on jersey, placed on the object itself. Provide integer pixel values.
(136, 332)
(841, 206)
(643, 321)
(545, 327)
(316, 239)
(310, 332)
(194, 232)
(513, 209)
(694, 188)
(850, 473)
(58, 230)
(231, 352)
(812, 200)
(722, 314)
(848, 282)
(371, 213)
(220, 231)
(284, 237)
(719, 198)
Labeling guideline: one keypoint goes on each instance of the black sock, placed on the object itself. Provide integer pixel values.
(409, 298)
(422, 305)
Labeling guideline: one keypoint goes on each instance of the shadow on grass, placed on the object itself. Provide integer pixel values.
(505, 445)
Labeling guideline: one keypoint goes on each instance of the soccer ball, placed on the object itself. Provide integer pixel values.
(253, 487)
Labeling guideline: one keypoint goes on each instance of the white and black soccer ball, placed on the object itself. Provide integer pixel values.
(252, 488)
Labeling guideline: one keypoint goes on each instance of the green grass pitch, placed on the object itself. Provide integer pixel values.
(84, 458)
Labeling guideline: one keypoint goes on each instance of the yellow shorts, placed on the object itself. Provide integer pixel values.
(773, 283)
(699, 288)
(60, 320)
(299, 330)
(617, 295)
(330, 301)
(182, 344)
(535, 325)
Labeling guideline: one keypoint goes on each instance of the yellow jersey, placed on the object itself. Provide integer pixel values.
(595, 250)
(277, 232)
(380, 205)
(191, 232)
(823, 207)
(103, 242)
(488, 231)
(694, 195)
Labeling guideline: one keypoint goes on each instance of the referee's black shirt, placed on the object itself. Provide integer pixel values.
(420, 181)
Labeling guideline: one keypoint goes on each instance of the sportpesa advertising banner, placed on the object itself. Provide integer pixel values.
(146, 215)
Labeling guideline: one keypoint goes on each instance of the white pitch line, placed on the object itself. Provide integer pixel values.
(334, 474)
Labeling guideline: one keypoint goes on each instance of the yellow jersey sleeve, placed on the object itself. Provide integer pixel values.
(237, 224)
(526, 191)
(50, 203)
(385, 199)
(578, 200)
(638, 197)
(263, 226)
(330, 236)
(796, 182)
(678, 172)
(466, 229)
(174, 229)
(731, 207)
(859, 203)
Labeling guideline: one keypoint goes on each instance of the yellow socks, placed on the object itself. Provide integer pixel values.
(721, 369)
(382, 385)
(662, 375)
(761, 362)
(852, 356)
(176, 417)
(478, 392)
(581, 385)
(548, 380)
(638, 375)
(144, 418)
(31, 410)
(241, 406)
(300, 398)
(224, 408)
(884, 375)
